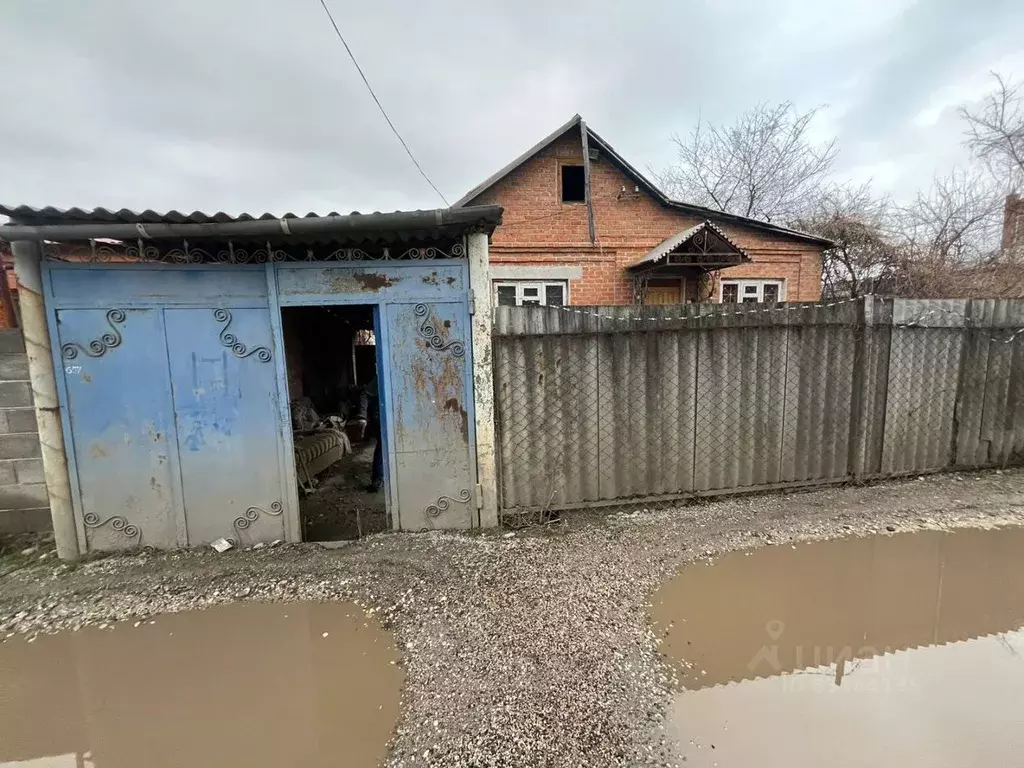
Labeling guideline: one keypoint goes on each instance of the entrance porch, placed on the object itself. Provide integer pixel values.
(682, 268)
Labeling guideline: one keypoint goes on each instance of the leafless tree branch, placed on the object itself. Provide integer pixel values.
(764, 165)
(995, 132)
(865, 256)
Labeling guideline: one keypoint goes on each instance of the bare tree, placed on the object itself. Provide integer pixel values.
(941, 245)
(996, 131)
(949, 241)
(866, 257)
(764, 165)
(956, 221)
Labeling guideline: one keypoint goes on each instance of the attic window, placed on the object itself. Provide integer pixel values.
(574, 188)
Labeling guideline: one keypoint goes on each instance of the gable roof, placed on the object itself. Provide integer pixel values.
(669, 244)
(641, 181)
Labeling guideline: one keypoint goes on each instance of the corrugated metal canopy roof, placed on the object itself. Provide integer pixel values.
(50, 215)
(55, 223)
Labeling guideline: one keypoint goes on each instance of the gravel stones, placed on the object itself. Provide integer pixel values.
(525, 650)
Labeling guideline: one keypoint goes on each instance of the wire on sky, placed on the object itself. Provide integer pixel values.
(379, 106)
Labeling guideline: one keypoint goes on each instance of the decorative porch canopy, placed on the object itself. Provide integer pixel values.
(686, 256)
(704, 246)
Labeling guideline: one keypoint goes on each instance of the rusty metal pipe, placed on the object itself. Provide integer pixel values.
(44, 395)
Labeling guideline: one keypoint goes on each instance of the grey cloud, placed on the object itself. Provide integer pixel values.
(234, 105)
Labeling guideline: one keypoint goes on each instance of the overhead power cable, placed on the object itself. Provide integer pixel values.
(379, 106)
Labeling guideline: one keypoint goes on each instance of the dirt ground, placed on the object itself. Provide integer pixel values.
(528, 648)
(340, 507)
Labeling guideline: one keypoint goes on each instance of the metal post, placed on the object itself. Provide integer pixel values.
(483, 380)
(27, 256)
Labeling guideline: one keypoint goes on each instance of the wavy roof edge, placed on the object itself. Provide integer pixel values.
(669, 244)
(32, 223)
(23, 213)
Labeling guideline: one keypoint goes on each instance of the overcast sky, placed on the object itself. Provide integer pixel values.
(253, 104)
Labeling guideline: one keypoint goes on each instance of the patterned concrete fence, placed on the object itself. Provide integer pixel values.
(637, 406)
(23, 501)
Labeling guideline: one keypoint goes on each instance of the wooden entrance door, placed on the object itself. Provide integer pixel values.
(663, 294)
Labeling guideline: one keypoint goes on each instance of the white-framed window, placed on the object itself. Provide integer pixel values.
(752, 291)
(524, 293)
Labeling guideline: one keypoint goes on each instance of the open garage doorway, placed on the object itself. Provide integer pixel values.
(336, 402)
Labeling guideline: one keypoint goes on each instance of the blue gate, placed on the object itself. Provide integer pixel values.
(172, 405)
(175, 398)
(423, 318)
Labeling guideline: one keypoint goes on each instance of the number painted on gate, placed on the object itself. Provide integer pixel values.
(70, 369)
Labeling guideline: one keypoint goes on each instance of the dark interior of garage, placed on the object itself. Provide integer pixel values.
(334, 398)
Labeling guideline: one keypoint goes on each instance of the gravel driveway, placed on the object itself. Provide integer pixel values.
(520, 649)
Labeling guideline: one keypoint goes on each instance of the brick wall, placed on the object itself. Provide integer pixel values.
(23, 501)
(1013, 225)
(539, 229)
(8, 313)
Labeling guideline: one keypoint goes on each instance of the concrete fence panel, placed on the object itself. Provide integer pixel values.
(634, 405)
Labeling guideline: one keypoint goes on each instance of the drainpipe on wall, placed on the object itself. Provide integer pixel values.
(27, 256)
(483, 379)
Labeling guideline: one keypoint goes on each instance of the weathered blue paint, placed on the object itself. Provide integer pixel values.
(375, 282)
(431, 467)
(181, 367)
(224, 383)
(131, 285)
(435, 478)
(121, 427)
(203, 379)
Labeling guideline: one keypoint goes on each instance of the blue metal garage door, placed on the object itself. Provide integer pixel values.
(173, 411)
(175, 394)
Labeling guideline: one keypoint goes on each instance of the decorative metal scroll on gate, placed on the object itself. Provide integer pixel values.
(98, 346)
(252, 514)
(118, 523)
(444, 503)
(187, 253)
(434, 339)
(640, 285)
(229, 340)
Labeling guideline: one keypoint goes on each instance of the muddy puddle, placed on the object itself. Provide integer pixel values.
(882, 651)
(303, 684)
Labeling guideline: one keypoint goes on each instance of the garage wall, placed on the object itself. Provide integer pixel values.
(23, 502)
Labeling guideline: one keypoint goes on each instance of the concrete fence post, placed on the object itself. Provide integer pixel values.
(27, 257)
(859, 387)
(483, 379)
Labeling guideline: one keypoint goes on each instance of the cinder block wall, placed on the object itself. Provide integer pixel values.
(23, 502)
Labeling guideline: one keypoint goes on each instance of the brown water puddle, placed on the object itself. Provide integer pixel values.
(882, 651)
(302, 684)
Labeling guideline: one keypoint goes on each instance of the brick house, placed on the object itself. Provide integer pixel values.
(583, 226)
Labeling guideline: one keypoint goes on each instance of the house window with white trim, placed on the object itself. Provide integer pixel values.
(752, 291)
(524, 293)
